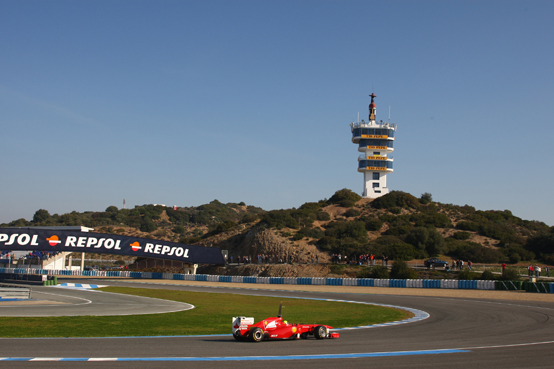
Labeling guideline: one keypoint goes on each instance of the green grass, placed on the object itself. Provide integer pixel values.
(212, 315)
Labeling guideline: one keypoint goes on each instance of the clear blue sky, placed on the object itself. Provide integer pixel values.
(184, 102)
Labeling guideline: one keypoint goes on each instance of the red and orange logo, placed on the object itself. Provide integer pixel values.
(135, 246)
(53, 240)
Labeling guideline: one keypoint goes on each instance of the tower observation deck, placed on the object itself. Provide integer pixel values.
(375, 140)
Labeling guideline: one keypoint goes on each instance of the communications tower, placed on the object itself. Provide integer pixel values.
(375, 139)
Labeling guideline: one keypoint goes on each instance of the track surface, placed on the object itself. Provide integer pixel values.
(72, 302)
(495, 333)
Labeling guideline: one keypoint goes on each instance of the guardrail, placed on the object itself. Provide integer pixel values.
(540, 287)
(14, 293)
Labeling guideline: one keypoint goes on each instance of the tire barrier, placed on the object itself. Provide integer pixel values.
(366, 282)
(249, 280)
(536, 287)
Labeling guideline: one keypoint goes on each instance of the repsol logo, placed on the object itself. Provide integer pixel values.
(19, 239)
(166, 250)
(107, 243)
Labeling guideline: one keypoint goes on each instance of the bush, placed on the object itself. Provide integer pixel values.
(468, 226)
(395, 199)
(401, 251)
(351, 213)
(460, 235)
(379, 272)
(344, 197)
(323, 216)
(510, 274)
(179, 229)
(373, 224)
(437, 220)
(308, 232)
(401, 270)
(466, 275)
(427, 239)
(487, 276)
(541, 244)
(280, 219)
(516, 253)
(396, 210)
(467, 250)
(147, 225)
(341, 229)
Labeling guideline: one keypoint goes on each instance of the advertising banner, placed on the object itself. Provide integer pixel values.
(29, 239)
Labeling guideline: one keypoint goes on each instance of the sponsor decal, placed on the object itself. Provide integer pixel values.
(135, 246)
(376, 169)
(375, 136)
(377, 147)
(17, 239)
(70, 241)
(53, 240)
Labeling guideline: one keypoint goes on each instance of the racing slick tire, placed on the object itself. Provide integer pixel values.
(321, 332)
(238, 336)
(256, 335)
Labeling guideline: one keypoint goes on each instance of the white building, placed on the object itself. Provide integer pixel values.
(375, 139)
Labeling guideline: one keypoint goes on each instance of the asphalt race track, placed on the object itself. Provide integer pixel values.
(459, 333)
(73, 302)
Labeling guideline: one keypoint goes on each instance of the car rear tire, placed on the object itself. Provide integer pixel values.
(321, 332)
(256, 335)
(238, 336)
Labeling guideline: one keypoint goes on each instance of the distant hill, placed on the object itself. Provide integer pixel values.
(397, 225)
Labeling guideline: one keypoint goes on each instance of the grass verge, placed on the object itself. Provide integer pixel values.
(212, 315)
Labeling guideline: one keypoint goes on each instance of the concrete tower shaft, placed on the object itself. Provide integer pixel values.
(376, 141)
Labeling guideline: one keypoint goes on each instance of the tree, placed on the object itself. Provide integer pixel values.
(425, 198)
(41, 216)
(112, 209)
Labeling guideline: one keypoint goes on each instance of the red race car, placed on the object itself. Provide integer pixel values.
(276, 328)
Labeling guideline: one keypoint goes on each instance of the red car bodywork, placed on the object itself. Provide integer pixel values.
(277, 328)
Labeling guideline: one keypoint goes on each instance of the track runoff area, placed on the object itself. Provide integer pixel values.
(427, 308)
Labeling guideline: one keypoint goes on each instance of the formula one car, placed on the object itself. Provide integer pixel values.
(276, 328)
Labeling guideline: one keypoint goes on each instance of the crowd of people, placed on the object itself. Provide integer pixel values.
(459, 264)
(365, 259)
(537, 270)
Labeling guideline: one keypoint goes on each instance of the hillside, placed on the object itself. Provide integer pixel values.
(398, 225)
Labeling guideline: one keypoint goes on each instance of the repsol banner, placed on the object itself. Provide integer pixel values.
(14, 239)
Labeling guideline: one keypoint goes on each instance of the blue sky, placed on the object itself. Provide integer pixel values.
(184, 102)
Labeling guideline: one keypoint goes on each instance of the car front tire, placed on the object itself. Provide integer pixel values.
(321, 332)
